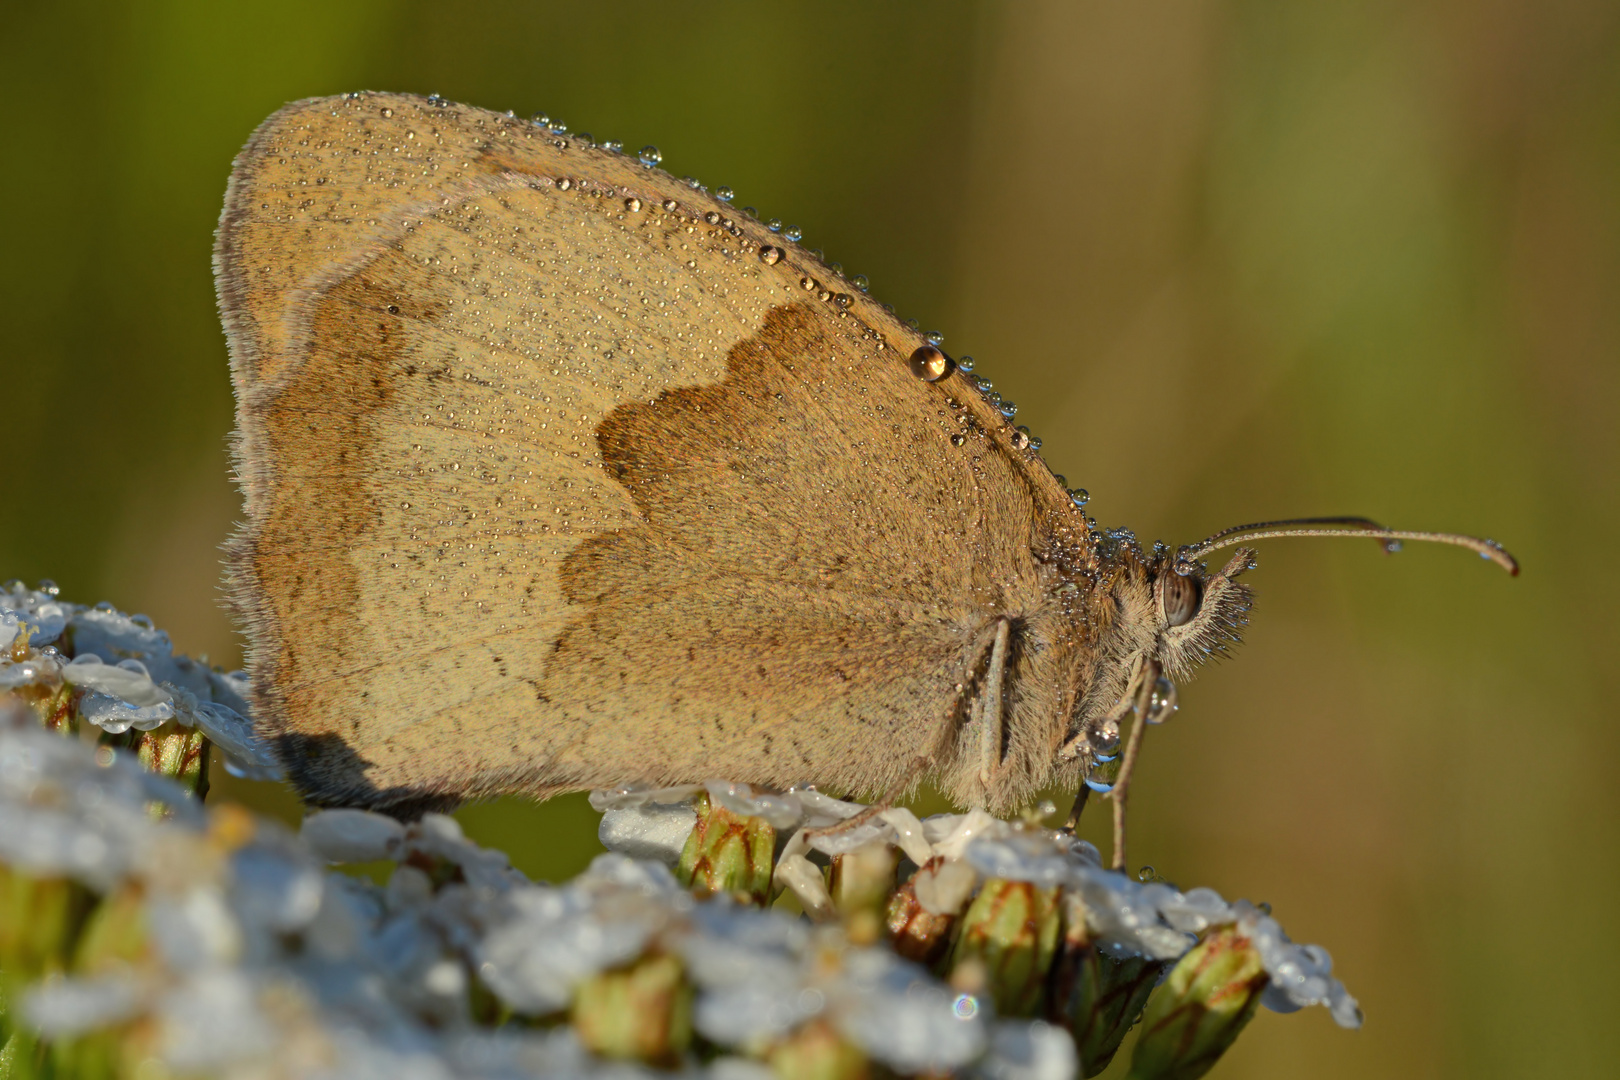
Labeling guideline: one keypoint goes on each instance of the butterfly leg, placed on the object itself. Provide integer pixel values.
(991, 705)
(1142, 706)
(890, 797)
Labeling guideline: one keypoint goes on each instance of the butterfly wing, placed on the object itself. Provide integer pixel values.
(560, 474)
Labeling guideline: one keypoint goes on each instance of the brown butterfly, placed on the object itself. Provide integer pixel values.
(562, 474)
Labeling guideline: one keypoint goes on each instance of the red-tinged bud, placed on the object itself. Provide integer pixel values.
(1199, 1011)
(727, 853)
(1011, 930)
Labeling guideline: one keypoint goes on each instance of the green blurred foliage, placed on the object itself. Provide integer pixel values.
(1237, 260)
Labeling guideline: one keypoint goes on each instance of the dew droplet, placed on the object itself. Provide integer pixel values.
(965, 363)
(769, 255)
(564, 184)
(930, 365)
(633, 205)
(1020, 438)
(613, 146)
(724, 194)
(541, 118)
(1104, 739)
(823, 294)
(958, 439)
(586, 138)
(1080, 496)
(837, 268)
(1147, 873)
(649, 156)
(1008, 409)
(775, 224)
(808, 284)
(861, 282)
(1034, 442)
(934, 338)
(387, 113)
(793, 232)
(712, 217)
(670, 204)
(1162, 702)
(1062, 482)
(49, 587)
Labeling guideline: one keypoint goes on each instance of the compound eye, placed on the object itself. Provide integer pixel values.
(1181, 598)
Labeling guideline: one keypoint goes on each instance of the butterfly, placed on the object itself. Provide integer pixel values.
(560, 473)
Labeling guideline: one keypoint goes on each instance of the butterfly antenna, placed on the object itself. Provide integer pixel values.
(1344, 526)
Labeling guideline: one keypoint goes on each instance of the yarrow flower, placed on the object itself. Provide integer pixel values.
(728, 930)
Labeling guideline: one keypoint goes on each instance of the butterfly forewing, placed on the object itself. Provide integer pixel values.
(553, 482)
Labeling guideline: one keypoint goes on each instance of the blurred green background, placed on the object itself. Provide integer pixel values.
(1236, 261)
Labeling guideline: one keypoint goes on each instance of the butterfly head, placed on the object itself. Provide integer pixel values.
(1192, 615)
(1195, 614)
(1163, 615)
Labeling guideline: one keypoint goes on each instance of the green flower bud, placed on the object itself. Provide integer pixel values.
(727, 853)
(639, 1013)
(180, 753)
(817, 1052)
(1200, 1009)
(1010, 931)
(115, 934)
(861, 883)
(95, 1055)
(56, 707)
(1100, 997)
(40, 919)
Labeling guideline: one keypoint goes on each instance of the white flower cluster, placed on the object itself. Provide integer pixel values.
(1128, 917)
(1157, 920)
(264, 962)
(128, 671)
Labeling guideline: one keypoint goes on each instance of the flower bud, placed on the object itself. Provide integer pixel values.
(640, 1013)
(817, 1051)
(39, 920)
(1100, 997)
(861, 883)
(727, 853)
(115, 935)
(56, 706)
(915, 932)
(1011, 929)
(180, 753)
(1200, 1009)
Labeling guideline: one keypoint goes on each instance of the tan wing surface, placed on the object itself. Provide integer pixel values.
(561, 474)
